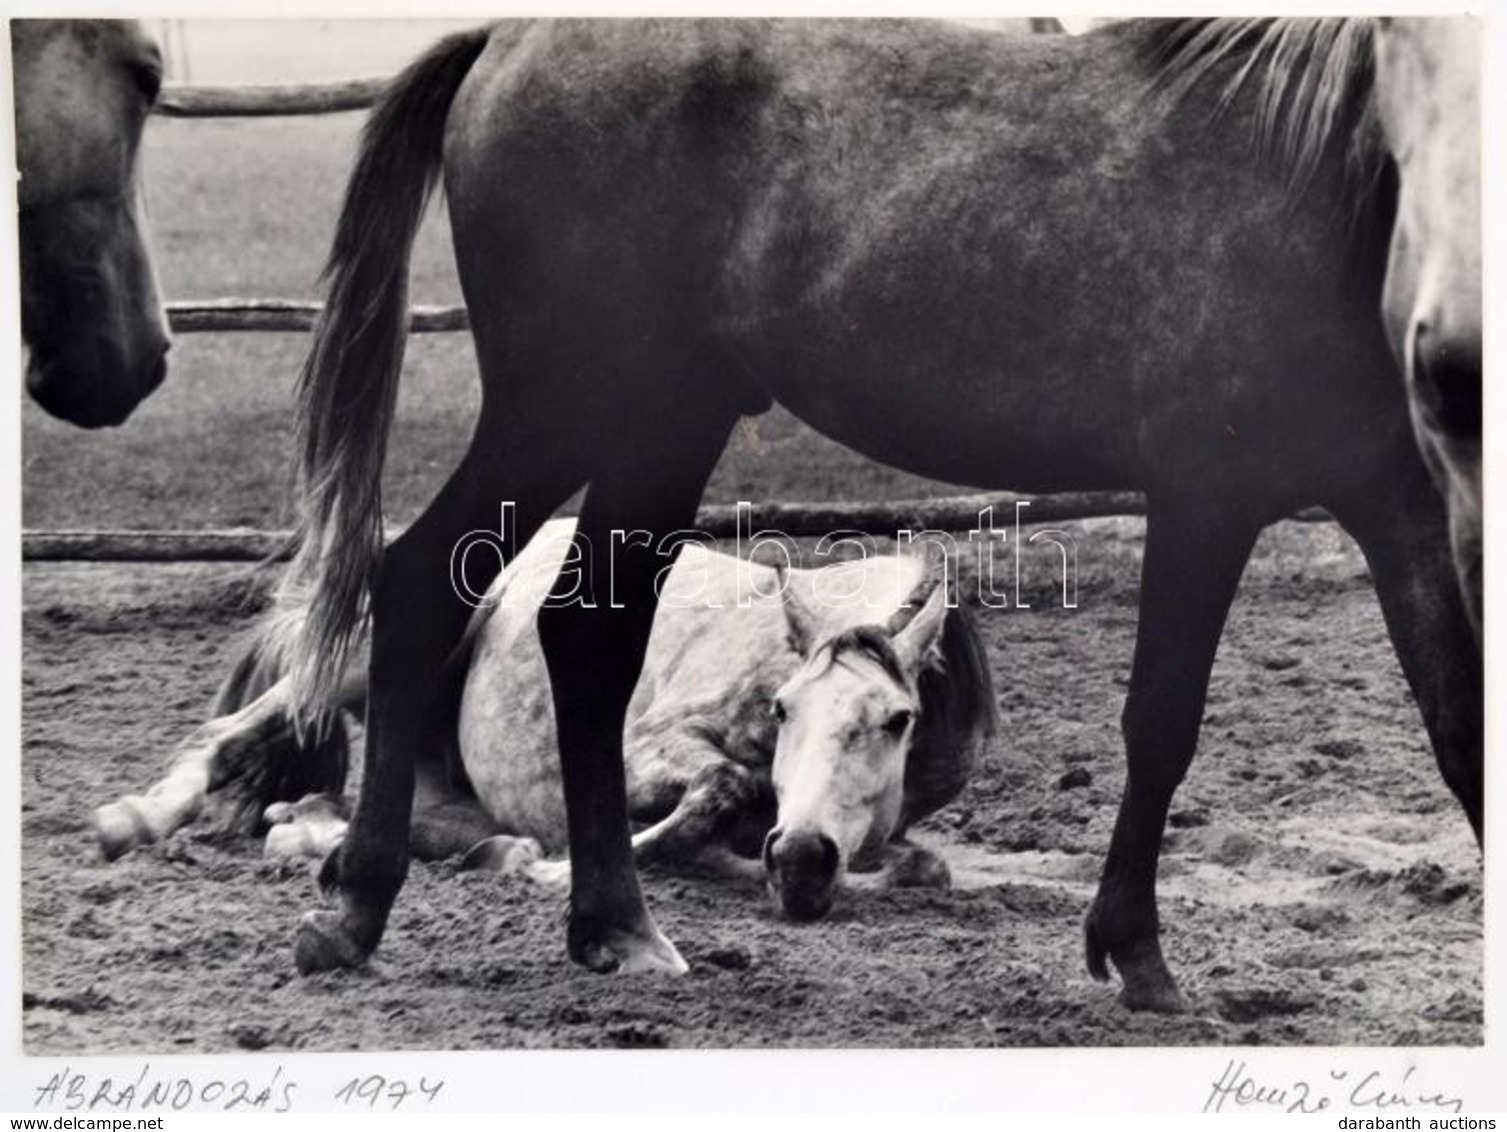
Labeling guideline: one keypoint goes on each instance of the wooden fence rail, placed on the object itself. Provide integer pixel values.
(201, 315)
(798, 520)
(180, 101)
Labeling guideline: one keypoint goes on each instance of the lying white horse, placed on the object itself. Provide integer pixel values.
(797, 736)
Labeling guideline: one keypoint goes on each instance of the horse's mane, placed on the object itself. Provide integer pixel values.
(1310, 81)
(869, 641)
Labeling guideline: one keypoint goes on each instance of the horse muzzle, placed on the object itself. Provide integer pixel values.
(93, 395)
(803, 868)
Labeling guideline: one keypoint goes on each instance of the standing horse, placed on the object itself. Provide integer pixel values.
(1432, 297)
(1149, 258)
(90, 314)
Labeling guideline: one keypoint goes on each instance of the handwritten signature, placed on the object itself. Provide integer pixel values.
(1375, 1091)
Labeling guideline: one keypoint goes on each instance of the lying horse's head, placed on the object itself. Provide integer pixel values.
(1428, 105)
(90, 312)
(847, 720)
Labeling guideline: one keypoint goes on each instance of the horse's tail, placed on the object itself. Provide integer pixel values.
(348, 387)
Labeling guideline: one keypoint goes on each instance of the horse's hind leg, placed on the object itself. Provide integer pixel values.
(595, 651)
(1193, 562)
(214, 754)
(1402, 526)
(416, 621)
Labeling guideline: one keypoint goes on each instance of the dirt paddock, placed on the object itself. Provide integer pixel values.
(1319, 885)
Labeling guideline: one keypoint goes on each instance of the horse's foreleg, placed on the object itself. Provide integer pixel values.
(594, 647)
(1192, 566)
(691, 839)
(1404, 533)
(417, 618)
(714, 803)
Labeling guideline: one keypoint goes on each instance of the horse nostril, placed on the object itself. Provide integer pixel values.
(1447, 381)
(829, 854)
(803, 870)
(810, 856)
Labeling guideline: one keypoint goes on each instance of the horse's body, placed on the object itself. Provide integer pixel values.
(90, 313)
(1025, 263)
(701, 743)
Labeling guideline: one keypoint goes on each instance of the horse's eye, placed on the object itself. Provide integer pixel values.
(777, 709)
(148, 77)
(898, 721)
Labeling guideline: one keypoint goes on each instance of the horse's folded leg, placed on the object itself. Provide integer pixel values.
(550, 874)
(219, 753)
(911, 866)
(443, 828)
(502, 854)
(295, 840)
(717, 796)
(311, 828)
(143, 819)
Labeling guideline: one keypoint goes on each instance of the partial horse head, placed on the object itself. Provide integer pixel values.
(1428, 103)
(90, 312)
(848, 718)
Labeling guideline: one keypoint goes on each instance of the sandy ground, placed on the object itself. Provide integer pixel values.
(1319, 885)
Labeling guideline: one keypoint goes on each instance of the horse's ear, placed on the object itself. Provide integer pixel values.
(919, 640)
(800, 622)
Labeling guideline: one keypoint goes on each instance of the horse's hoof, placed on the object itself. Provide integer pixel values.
(1156, 994)
(922, 869)
(324, 943)
(302, 840)
(119, 828)
(644, 950)
(553, 875)
(502, 854)
(1147, 983)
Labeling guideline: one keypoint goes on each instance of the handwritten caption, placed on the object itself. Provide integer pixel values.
(1373, 1091)
(274, 1091)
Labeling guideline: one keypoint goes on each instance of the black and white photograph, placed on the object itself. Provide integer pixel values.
(739, 533)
